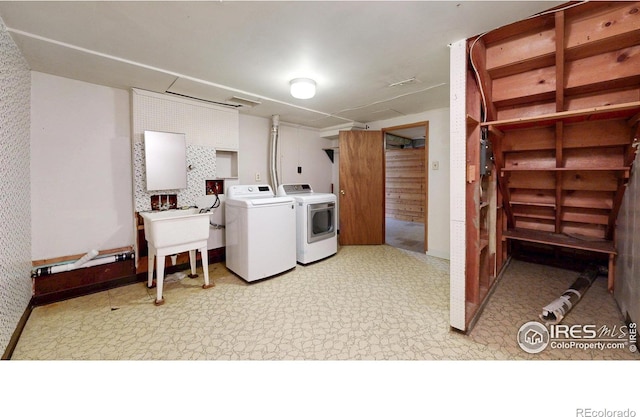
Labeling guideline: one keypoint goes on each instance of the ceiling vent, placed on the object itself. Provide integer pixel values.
(245, 102)
(202, 99)
(412, 80)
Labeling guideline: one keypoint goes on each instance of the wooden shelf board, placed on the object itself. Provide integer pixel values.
(522, 203)
(558, 239)
(593, 168)
(534, 216)
(471, 120)
(625, 110)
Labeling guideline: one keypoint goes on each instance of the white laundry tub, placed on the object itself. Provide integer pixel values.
(171, 232)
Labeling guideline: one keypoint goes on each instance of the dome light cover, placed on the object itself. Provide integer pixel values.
(303, 88)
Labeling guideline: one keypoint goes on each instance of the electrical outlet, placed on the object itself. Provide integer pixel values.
(257, 176)
(435, 165)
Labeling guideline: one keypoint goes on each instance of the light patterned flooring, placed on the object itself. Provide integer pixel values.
(364, 303)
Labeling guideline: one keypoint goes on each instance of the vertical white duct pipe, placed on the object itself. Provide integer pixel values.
(273, 157)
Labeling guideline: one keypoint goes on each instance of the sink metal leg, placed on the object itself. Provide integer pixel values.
(205, 267)
(192, 262)
(159, 280)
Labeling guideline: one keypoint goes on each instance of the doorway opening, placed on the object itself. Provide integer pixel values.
(407, 186)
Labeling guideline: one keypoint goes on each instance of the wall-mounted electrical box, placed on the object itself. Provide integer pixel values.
(214, 187)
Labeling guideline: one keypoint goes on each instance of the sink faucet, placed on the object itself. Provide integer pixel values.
(166, 205)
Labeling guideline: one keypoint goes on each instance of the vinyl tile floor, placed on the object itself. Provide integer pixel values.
(364, 303)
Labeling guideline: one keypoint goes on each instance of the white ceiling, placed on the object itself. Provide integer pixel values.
(217, 50)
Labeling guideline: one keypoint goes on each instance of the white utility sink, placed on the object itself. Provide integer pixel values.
(174, 231)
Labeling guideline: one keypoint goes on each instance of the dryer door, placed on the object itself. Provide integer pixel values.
(321, 221)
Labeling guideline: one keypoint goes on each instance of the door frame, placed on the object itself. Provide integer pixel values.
(391, 129)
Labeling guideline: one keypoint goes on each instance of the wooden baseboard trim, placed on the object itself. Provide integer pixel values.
(13, 342)
(54, 297)
(65, 285)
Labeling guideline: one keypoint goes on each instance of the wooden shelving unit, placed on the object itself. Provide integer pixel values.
(560, 103)
(481, 205)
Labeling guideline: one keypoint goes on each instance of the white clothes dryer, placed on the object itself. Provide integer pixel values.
(316, 236)
(260, 232)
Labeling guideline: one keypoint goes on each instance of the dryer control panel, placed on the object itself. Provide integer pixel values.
(295, 189)
(250, 191)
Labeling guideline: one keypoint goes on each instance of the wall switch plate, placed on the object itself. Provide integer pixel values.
(257, 176)
(435, 165)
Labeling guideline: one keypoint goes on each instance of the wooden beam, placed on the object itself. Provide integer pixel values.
(496, 132)
(562, 240)
(496, 137)
(559, 21)
(617, 23)
(559, 164)
(615, 69)
(525, 87)
(472, 192)
(624, 110)
(478, 58)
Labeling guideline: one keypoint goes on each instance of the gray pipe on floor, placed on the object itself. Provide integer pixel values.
(560, 307)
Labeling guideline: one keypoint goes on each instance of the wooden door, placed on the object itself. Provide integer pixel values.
(361, 188)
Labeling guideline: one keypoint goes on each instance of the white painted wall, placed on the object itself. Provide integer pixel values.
(81, 167)
(299, 146)
(438, 204)
(81, 176)
(254, 150)
(302, 147)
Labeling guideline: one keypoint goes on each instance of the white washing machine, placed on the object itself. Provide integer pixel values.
(316, 236)
(260, 232)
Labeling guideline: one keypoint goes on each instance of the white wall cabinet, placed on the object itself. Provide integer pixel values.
(226, 129)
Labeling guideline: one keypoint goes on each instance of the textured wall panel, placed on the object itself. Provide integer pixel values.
(206, 127)
(15, 203)
(457, 305)
(457, 120)
(204, 124)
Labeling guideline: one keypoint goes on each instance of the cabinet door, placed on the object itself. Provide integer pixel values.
(226, 129)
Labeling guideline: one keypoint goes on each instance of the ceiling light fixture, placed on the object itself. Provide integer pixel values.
(303, 88)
